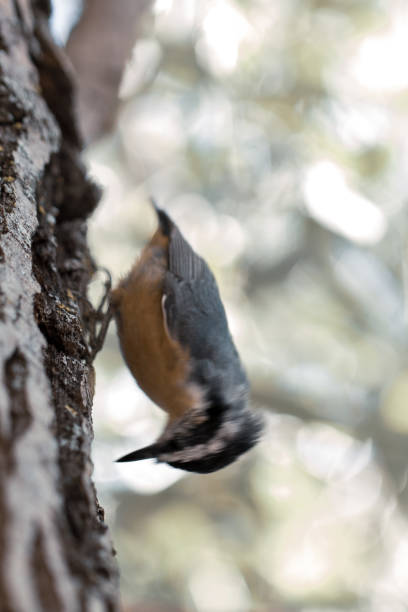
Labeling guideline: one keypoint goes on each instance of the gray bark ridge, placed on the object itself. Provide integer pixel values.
(55, 552)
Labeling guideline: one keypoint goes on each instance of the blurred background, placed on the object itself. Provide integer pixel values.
(274, 133)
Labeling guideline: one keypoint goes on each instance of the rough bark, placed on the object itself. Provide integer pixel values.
(99, 46)
(55, 553)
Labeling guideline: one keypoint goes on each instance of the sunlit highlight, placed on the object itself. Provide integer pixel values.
(162, 6)
(333, 204)
(399, 565)
(304, 570)
(381, 61)
(224, 29)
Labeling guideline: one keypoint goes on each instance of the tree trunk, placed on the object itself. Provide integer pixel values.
(55, 553)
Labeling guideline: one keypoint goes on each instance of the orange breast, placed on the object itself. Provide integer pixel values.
(158, 363)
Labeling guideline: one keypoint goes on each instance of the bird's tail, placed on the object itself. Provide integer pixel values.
(166, 224)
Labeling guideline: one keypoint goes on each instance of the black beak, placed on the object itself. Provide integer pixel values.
(148, 452)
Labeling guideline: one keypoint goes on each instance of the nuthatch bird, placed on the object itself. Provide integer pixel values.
(174, 337)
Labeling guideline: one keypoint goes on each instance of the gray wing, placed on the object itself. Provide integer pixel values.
(196, 318)
(184, 263)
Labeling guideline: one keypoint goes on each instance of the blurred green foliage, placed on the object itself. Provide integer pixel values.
(275, 135)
